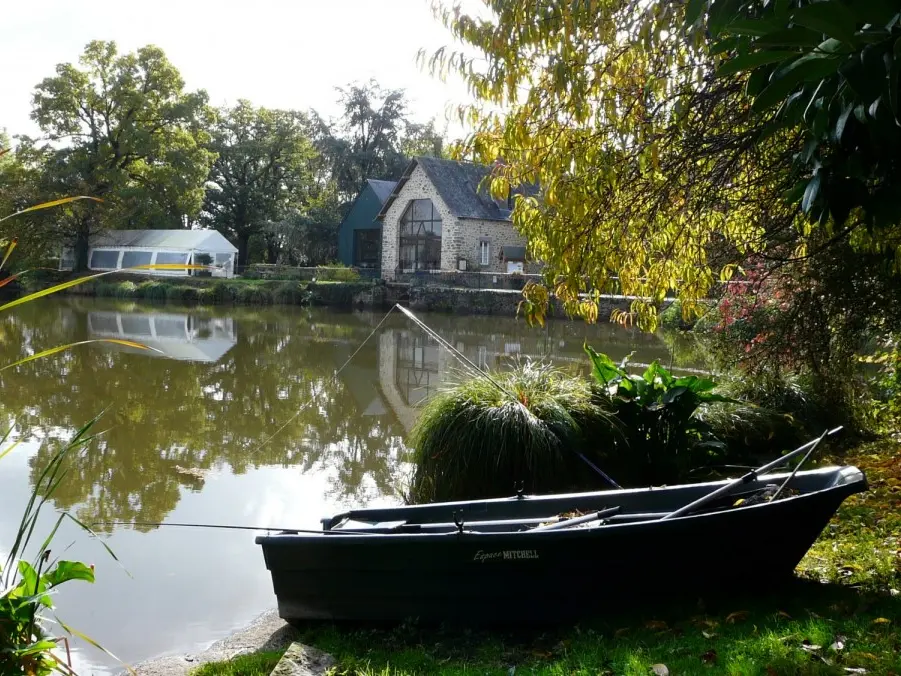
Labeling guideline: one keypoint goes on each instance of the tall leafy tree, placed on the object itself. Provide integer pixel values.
(636, 120)
(263, 173)
(120, 127)
(374, 137)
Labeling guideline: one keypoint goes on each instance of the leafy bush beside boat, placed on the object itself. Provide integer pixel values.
(540, 427)
(663, 437)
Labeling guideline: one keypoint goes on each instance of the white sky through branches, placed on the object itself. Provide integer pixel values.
(276, 53)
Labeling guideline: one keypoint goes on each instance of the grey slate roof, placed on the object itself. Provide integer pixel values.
(460, 186)
(382, 189)
(203, 240)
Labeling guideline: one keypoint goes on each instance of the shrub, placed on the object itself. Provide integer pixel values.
(253, 295)
(663, 437)
(223, 292)
(126, 290)
(183, 294)
(475, 440)
(153, 290)
(288, 293)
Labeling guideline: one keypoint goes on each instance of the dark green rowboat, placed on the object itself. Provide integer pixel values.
(521, 559)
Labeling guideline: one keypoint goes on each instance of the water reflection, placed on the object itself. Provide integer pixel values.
(183, 436)
(186, 337)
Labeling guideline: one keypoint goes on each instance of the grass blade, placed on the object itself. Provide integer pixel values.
(9, 448)
(9, 250)
(88, 639)
(61, 348)
(52, 203)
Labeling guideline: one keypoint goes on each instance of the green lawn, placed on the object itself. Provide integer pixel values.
(255, 664)
(843, 616)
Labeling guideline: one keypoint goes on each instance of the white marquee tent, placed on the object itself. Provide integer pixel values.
(119, 249)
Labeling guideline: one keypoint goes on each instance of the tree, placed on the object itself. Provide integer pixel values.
(830, 71)
(263, 171)
(123, 129)
(653, 165)
(374, 137)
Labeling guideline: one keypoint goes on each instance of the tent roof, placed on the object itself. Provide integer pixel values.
(204, 240)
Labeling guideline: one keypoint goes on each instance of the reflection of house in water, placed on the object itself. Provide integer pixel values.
(412, 367)
(179, 336)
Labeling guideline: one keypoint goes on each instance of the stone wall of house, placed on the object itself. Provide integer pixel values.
(469, 234)
(418, 187)
(460, 238)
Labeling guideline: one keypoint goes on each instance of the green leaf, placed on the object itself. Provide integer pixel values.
(753, 60)
(810, 194)
(603, 368)
(796, 36)
(673, 394)
(893, 77)
(65, 571)
(830, 17)
(808, 67)
(693, 11)
(842, 122)
(753, 27)
(720, 14)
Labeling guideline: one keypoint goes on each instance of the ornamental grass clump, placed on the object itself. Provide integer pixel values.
(490, 435)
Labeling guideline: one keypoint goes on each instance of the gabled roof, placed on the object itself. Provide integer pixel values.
(460, 187)
(204, 240)
(382, 189)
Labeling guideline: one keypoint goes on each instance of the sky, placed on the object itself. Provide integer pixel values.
(276, 53)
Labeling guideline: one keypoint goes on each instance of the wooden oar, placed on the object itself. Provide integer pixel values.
(747, 478)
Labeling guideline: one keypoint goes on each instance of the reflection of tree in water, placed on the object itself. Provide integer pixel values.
(169, 415)
(170, 420)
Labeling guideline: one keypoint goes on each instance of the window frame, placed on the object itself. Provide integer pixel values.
(424, 236)
(484, 252)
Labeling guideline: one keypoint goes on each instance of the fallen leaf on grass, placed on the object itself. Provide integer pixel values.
(708, 634)
(839, 644)
(660, 670)
(855, 670)
(737, 616)
(882, 620)
(709, 657)
(810, 647)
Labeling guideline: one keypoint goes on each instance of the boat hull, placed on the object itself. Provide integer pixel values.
(540, 576)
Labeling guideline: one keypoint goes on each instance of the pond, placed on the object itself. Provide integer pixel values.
(238, 418)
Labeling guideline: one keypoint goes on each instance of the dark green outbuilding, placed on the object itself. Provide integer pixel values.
(360, 234)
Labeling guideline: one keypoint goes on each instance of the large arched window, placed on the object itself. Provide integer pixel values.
(420, 237)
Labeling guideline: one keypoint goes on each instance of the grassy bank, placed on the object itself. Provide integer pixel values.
(842, 616)
(207, 291)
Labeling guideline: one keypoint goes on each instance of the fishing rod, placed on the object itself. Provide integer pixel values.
(219, 526)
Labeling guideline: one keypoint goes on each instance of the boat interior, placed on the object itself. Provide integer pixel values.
(586, 510)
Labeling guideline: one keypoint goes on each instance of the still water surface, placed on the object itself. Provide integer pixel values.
(183, 434)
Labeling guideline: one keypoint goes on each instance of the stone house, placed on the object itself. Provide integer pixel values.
(440, 216)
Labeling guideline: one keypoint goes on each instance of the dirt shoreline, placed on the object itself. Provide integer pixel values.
(266, 632)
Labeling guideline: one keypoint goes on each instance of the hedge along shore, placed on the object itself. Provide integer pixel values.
(365, 294)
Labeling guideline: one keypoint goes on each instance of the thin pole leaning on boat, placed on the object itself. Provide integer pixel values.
(568, 523)
(747, 478)
(222, 526)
